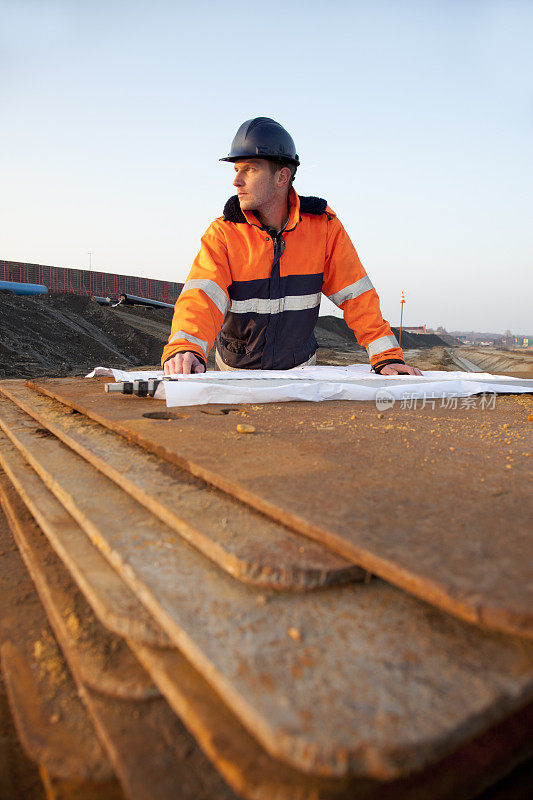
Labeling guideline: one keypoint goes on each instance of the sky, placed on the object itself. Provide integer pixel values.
(413, 118)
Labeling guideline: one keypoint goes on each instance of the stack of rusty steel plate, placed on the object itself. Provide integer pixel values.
(336, 604)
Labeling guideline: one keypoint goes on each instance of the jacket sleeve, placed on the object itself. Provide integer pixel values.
(203, 302)
(349, 287)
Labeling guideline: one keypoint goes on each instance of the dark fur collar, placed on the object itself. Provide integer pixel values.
(313, 205)
(308, 205)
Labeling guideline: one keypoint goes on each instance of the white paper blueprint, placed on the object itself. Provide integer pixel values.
(354, 382)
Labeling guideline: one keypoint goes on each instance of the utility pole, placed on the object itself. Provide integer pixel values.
(402, 301)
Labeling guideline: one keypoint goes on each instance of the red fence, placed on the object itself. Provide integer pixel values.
(88, 282)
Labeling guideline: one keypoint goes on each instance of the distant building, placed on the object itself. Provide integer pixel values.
(415, 329)
(522, 341)
(506, 341)
(89, 282)
(510, 342)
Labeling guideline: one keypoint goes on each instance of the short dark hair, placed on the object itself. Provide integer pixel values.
(277, 165)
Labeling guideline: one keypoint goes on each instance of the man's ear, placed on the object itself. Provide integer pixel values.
(283, 177)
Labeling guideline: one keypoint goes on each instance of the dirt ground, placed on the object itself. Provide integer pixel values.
(426, 358)
(65, 334)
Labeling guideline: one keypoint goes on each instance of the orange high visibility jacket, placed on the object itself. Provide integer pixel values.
(259, 293)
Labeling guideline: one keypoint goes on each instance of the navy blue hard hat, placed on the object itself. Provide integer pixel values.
(263, 137)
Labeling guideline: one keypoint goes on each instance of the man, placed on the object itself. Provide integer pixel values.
(255, 286)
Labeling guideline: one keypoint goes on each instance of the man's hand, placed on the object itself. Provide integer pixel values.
(399, 369)
(183, 364)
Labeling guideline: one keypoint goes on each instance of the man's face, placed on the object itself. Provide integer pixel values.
(255, 182)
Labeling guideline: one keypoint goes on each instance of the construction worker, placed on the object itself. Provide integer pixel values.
(255, 286)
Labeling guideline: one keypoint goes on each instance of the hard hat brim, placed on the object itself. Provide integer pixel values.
(248, 157)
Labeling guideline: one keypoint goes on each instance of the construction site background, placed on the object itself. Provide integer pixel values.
(62, 334)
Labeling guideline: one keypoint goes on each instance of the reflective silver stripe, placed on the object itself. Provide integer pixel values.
(211, 289)
(293, 302)
(190, 338)
(379, 345)
(352, 291)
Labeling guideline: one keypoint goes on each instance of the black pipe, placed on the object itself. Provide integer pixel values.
(132, 300)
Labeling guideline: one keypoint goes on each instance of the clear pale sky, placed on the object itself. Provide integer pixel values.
(413, 119)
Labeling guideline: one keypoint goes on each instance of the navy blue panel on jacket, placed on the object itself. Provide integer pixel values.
(288, 285)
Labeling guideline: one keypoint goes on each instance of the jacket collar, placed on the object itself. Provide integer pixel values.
(294, 211)
(298, 206)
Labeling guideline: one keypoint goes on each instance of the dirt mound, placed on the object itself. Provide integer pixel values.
(66, 334)
(431, 358)
(333, 332)
(417, 341)
(451, 340)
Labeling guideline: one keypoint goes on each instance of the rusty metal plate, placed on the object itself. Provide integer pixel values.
(254, 775)
(62, 740)
(362, 679)
(237, 755)
(59, 789)
(250, 546)
(436, 500)
(50, 718)
(111, 600)
(154, 756)
(103, 662)
(152, 753)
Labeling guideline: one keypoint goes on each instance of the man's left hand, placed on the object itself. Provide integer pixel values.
(399, 369)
